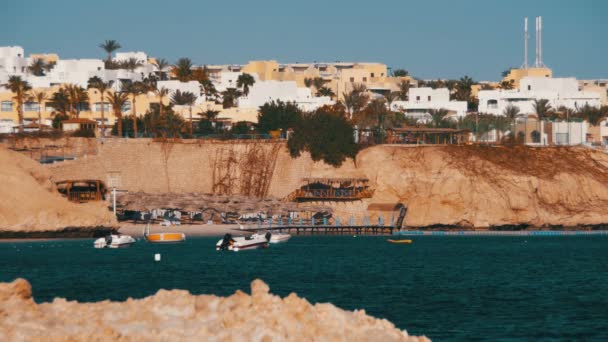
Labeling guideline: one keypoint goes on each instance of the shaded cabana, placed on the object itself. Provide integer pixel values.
(425, 135)
(82, 190)
(332, 189)
(394, 213)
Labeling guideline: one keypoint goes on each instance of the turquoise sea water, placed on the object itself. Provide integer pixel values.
(448, 288)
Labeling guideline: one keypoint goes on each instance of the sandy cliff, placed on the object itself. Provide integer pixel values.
(29, 201)
(178, 315)
(467, 186)
(491, 186)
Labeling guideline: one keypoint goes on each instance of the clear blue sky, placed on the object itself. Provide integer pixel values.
(430, 38)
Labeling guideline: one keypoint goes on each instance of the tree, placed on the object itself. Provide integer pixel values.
(61, 104)
(76, 96)
(438, 117)
(182, 70)
(200, 74)
(325, 91)
(400, 73)
(207, 122)
(276, 115)
(511, 112)
(110, 46)
(404, 89)
(39, 67)
(245, 81)
(373, 115)
(38, 96)
(97, 83)
(390, 97)
(463, 88)
(229, 97)
(240, 128)
(135, 89)
(356, 99)
(131, 64)
(161, 64)
(542, 108)
(161, 94)
(506, 72)
(593, 115)
(167, 125)
(507, 85)
(326, 135)
(185, 98)
(20, 88)
(208, 89)
(117, 100)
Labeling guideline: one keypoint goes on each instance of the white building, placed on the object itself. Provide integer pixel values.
(421, 100)
(287, 91)
(191, 86)
(559, 91)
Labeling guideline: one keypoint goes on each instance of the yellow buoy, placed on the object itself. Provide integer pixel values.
(399, 241)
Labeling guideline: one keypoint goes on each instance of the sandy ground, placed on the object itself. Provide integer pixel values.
(136, 230)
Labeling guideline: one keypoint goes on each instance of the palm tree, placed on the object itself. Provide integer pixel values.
(135, 89)
(38, 67)
(438, 116)
(60, 102)
(542, 108)
(185, 98)
(38, 96)
(325, 91)
(463, 88)
(390, 97)
(507, 85)
(308, 82)
(182, 70)
(356, 99)
(161, 64)
(117, 101)
(76, 95)
(131, 64)
(245, 81)
(20, 88)
(229, 96)
(511, 112)
(208, 88)
(404, 89)
(97, 83)
(110, 46)
(161, 93)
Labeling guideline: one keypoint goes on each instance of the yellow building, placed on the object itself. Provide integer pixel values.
(516, 75)
(596, 86)
(90, 110)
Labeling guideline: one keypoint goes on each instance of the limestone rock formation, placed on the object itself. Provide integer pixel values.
(29, 201)
(472, 186)
(178, 315)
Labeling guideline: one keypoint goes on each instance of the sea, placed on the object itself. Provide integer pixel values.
(445, 287)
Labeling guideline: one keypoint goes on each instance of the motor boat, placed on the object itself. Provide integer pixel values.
(163, 237)
(240, 243)
(114, 241)
(277, 237)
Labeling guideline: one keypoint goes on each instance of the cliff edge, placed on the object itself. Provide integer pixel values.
(29, 201)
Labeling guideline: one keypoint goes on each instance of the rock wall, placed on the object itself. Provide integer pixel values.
(178, 315)
(467, 186)
(29, 201)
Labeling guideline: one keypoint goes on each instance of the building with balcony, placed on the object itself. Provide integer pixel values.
(422, 100)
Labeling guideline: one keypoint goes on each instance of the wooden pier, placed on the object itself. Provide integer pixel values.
(326, 229)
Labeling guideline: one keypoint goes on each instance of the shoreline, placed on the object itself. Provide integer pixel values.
(218, 230)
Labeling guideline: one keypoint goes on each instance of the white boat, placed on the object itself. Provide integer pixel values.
(114, 241)
(240, 243)
(277, 237)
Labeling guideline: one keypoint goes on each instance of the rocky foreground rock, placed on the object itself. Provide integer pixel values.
(178, 315)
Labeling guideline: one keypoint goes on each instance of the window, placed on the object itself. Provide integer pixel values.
(31, 107)
(83, 107)
(364, 79)
(97, 107)
(372, 75)
(429, 98)
(535, 135)
(417, 98)
(529, 87)
(493, 104)
(126, 106)
(48, 106)
(352, 79)
(7, 106)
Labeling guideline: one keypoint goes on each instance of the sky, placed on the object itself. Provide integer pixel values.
(431, 39)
